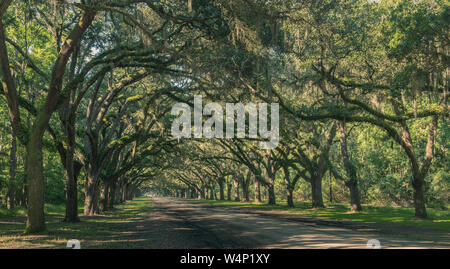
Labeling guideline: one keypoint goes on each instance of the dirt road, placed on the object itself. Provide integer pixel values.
(185, 225)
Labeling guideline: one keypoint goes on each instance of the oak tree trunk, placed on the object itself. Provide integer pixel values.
(112, 195)
(419, 196)
(290, 197)
(104, 193)
(229, 189)
(352, 182)
(236, 191)
(211, 193)
(203, 193)
(72, 171)
(35, 174)
(91, 194)
(289, 187)
(245, 192)
(221, 190)
(271, 193)
(355, 200)
(316, 191)
(257, 186)
(11, 195)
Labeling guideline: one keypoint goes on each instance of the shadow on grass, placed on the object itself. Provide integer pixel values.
(437, 219)
(118, 228)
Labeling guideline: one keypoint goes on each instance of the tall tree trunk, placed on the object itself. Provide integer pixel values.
(221, 189)
(121, 192)
(355, 200)
(229, 189)
(203, 193)
(245, 193)
(316, 191)
(10, 198)
(289, 187)
(290, 197)
(352, 182)
(24, 191)
(131, 191)
(72, 172)
(271, 194)
(112, 195)
(91, 193)
(35, 174)
(118, 194)
(419, 172)
(331, 189)
(236, 191)
(419, 196)
(211, 193)
(271, 187)
(11, 195)
(124, 192)
(104, 194)
(257, 186)
(214, 192)
(270, 178)
(68, 120)
(71, 194)
(245, 187)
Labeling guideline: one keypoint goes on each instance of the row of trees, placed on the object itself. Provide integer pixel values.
(88, 90)
(331, 65)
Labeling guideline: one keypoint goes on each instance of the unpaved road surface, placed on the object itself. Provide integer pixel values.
(183, 224)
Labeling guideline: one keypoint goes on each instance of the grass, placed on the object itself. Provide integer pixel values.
(18, 211)
(438, 219)
(49, 209)
(117, 228)
(125, 226)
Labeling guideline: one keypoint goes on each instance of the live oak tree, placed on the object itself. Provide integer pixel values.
(398, 100)
(31, 136)
(393, 97)
(351, 178)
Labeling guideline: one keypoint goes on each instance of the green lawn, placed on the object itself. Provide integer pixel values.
(123, 226)
(18, 211)
(114, 229)
(439, 219)
(50, 209)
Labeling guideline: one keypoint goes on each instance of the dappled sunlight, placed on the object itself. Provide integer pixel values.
(269, 229)
(224, 124)
(184, 224)
(121, 225)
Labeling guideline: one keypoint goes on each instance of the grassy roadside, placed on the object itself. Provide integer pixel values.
(438, 219)
(117, 228)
